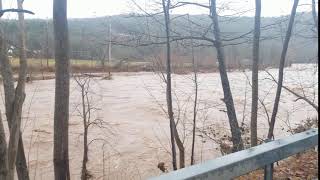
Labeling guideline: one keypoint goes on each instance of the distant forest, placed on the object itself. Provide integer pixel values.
(135, 38)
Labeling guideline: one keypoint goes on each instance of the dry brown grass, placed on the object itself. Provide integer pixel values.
(298, 167)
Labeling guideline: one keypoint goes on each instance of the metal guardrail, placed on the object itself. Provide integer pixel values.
(243, 162)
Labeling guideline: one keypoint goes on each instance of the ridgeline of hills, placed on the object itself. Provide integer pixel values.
(89, 38)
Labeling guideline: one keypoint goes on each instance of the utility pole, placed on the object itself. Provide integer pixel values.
(109, 49)
(47, 42)
(81, 54)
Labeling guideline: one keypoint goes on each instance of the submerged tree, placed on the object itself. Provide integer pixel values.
(84, 85)
(87, 112)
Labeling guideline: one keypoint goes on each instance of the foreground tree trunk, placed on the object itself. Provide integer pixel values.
(15, 134)
(314, 15)
(3, 150)
(61, 107)
(255, 75)
(228, 99)
(281, 69)
(3, 141)
(168, 91)
(6, 72)
(8, 85)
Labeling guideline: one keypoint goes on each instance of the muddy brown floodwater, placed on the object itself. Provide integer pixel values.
(136, 137)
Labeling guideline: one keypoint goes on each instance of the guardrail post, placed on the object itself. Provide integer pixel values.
(268, 172)
(268, 169)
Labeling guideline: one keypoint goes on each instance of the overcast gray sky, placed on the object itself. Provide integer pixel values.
(94, 8)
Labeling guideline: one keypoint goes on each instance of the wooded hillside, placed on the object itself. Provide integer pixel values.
(89, 36)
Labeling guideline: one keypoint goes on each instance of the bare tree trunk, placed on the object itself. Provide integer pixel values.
(19, 97)
(173, 127)
(314, 14)
(61, 108)
(231, 112)
(255, 74)
(168, 92)
(180, 147)
(6, 72)
(21, 162)
(84, 171)
(3, 148)
(7, 79)
(194, 111)
(281, 69)
(195, 73)
(3, 143)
